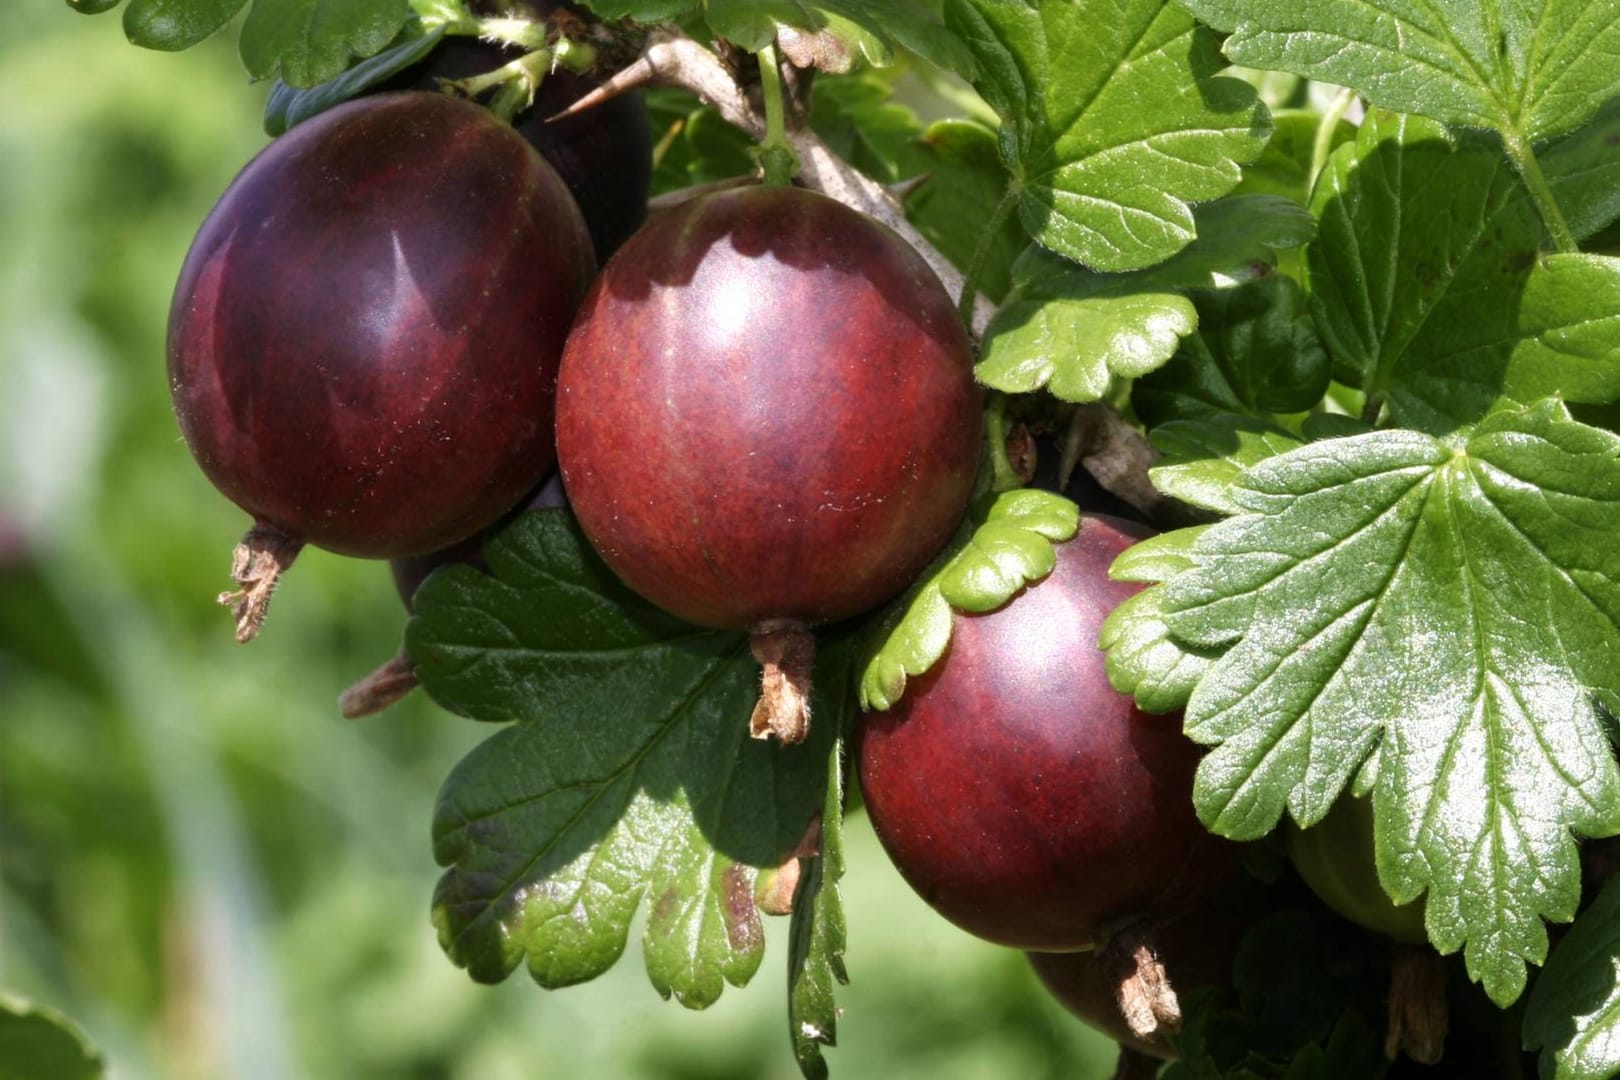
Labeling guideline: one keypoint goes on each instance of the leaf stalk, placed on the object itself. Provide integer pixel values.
(968, 298)
(1541, 193)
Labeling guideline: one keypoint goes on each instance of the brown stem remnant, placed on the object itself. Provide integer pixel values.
(1419, 1014)
(256, 566)
(382, 688)
(786, 652)
(1146, 999)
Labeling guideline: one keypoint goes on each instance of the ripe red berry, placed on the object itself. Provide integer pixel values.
(766, 416)
(364, 337)
(1021, 795)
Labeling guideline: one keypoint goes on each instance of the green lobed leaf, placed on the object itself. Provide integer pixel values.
(965, 178)
(1077, 346)
(1144, 660)
(1256, 352)
(630, 775)
(93, 7)
(1005, 545)
(819, 935)
(1114, 121)
(308, 42)
(642, 11)
(1284, 168)
(1532, 69)
(287, 107)
(1201, 460)
(833, 34)
(1453, 610)
(1075, 331)
(175, 25)
(1573, 1016)
(37, 1043)
(1569, 332)
(1422, 250)
(1583, 172)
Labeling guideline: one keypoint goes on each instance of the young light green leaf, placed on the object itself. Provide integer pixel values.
(630, 776)
(1583, 172)
(1114, 121)
(1075, 331)
(819, 935)
(1255, 352)
(175, 25)
(1532, 70)
(1076, 346)
(1454, 609)
(1143, 659)
(1421, 247)
(1573, 1016)
(1203, 459)
(37, 1043)
(308, 42)
(1569, 332)
(287, 107)
(1006, 545)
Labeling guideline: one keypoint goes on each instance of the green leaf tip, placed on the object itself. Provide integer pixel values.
(1006, 545)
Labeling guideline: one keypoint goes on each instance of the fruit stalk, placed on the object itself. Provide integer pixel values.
(389, 684)
(257, 564)
(1147, 1001)
(786, 655)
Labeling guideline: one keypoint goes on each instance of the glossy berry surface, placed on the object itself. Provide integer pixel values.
(1336, 858)
(364, 338)
(766, 411)
(604, 155)
(1021, 795)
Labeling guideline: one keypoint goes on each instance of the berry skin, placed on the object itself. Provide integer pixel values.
(766, 420)
(1335, 858)
(604, 155)
(364, 337)
(766, 412)
(1021, 795)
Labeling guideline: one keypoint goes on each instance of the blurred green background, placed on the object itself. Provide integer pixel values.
(199, 860)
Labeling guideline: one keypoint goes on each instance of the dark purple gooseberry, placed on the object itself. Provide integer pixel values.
(365, 334)
(791, 379)
(604, 154)
(1022, 796)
